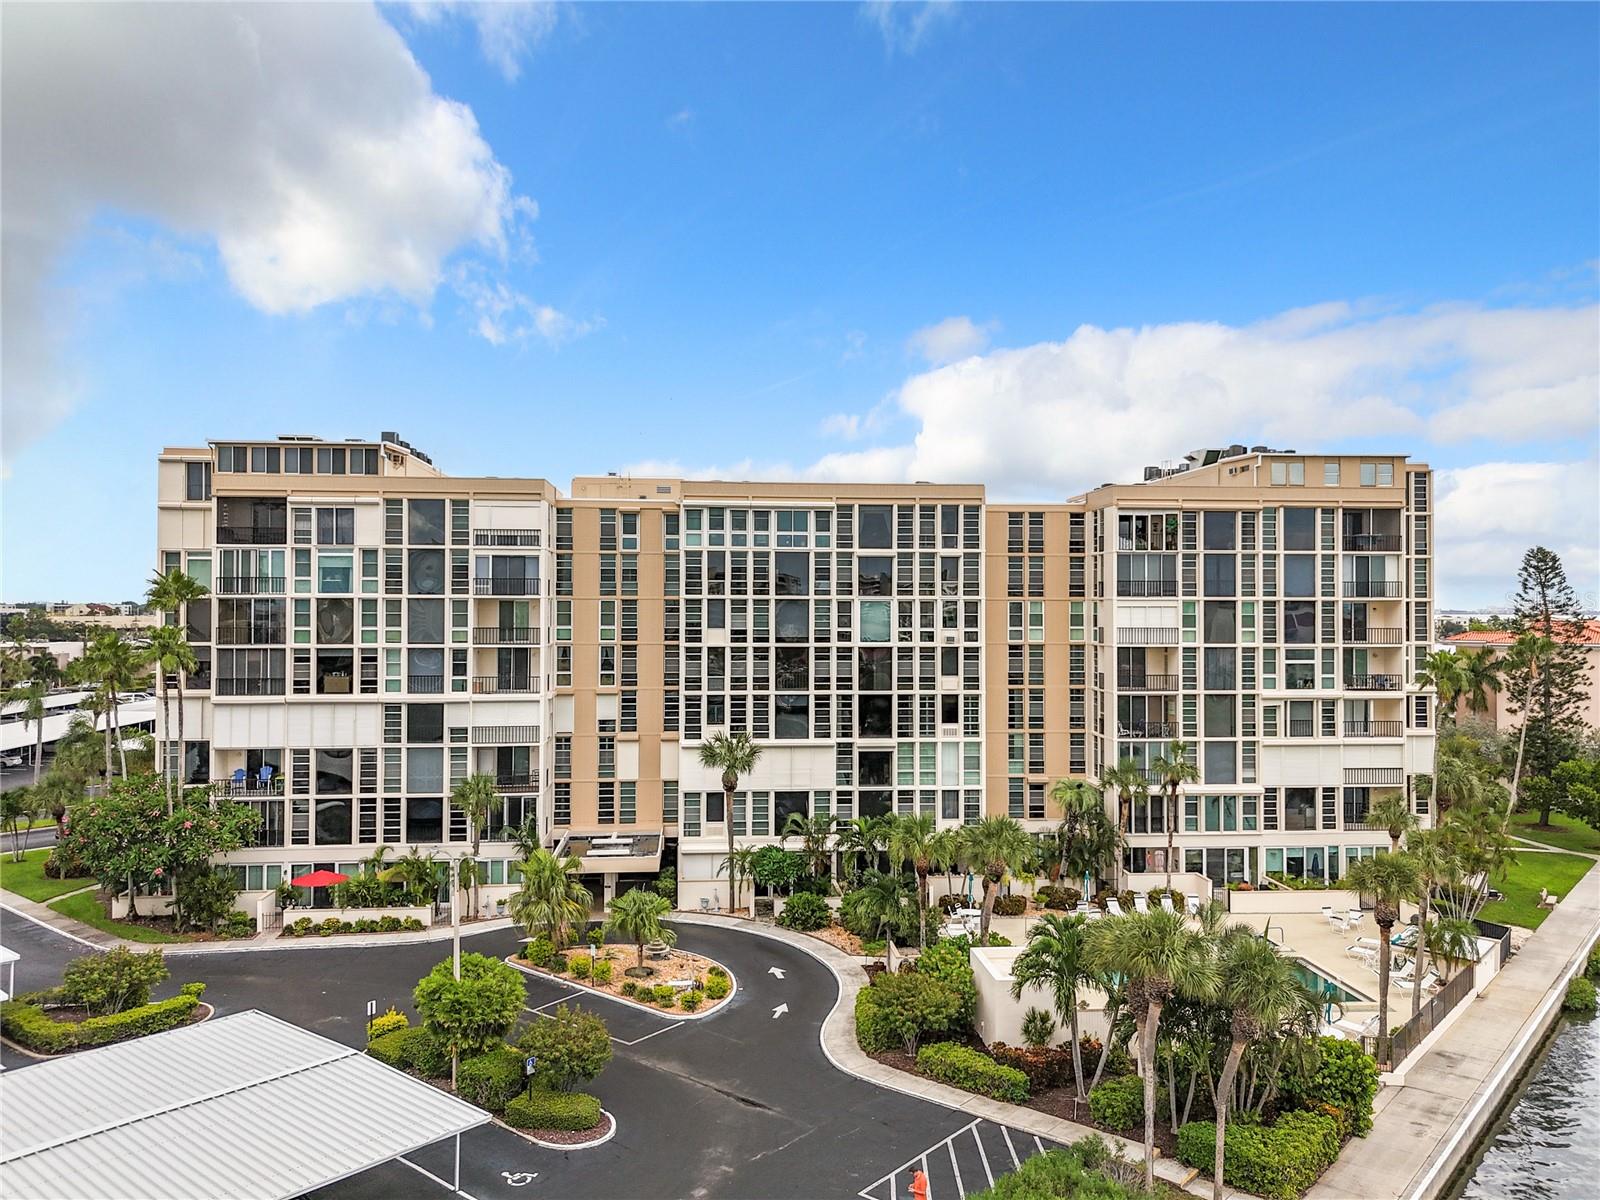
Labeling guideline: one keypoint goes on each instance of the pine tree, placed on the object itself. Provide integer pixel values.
(1550, 699)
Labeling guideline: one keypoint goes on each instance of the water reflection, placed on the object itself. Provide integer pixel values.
(1547, 1145)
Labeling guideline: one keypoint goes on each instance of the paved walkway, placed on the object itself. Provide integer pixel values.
(1427, 1123)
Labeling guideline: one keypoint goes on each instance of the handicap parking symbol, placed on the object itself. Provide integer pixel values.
(519, 1178)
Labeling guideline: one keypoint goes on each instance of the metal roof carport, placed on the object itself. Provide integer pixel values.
(245, 1106)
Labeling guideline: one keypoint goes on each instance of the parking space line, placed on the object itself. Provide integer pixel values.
(924, 1175)
(539, 1012)
(1005, 1132)
(866, 1192)
(1040, 1144)
(950, 1145)
(436, 1179)
(983, 1155)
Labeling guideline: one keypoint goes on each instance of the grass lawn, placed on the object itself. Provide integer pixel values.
(27, 878)
(89, 910)
(1565, 833)
(1534, 870)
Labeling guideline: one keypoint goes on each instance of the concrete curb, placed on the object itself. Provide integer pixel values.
(599, 1141)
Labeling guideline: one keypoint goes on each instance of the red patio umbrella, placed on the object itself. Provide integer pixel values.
(319, 879)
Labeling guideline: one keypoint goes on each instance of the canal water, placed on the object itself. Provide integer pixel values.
(1546, 1144)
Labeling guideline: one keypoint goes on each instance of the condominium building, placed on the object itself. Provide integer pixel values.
(379, 630)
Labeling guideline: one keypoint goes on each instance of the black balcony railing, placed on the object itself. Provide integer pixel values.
(252, 535)
(249, 789)
(1376, 729)
(1372, 542)
(1371, 635)
(505, 537)
(270, 686)
(1381, 589)
(1373, 683)
(1147, 587)
(1147, 683)
(234, 585)
(514, 782)
(504, 586)
(502, 685)
(1302, 728)
(1149, 729)
(500, 635)
(425, 683)
(1147, 635)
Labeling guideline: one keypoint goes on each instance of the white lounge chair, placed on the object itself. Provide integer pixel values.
(1141, 905)
(1114, 907)
(1166, 904)
(1353, 921)
(1335, 921)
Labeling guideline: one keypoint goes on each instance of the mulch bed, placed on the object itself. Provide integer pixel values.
(563, 1137)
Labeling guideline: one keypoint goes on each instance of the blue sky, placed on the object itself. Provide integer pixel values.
(1031, 245)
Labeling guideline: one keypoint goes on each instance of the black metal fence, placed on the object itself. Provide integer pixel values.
(1500, 933)
(1391, 1051)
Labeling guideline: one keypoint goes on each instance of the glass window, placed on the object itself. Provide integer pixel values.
(875, 527)
(425, 769)
(1219, 762)
(1219, 716)
(792, 718)
(335, 573)
(427, 572)
(875, 620)
(1299, 622)
(1220, 669)
(425, 820)
(336, 621)
(425, 621)
(426, 522)
(1330, 474)
(1299, 529)
(785, 805)
(1221, 621)
(792, 668)
(1299, 809)
(425, 723)
(1299, 575)
(875, 575)
(790, 572)
(875, 670)
(792, 620)
(1220, 575)
(1219, 531)
(335, 774)
(875, 716)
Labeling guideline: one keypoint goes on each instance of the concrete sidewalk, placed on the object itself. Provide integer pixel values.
(1426, 1124)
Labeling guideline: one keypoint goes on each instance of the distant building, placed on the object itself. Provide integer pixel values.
(1500, 640)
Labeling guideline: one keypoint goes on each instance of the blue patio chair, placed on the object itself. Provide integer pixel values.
(238, 777)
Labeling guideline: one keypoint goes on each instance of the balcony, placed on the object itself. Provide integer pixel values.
(252, 535)
(1374, 729)
(1147, 587)
(426, 684)
(1373, 683)
(506, 537)
(1377, 543)
(499, 635)
(1147, 730)
(245, 585)
(504, 586)
(1378, 589)
(1147, 683)
(504, 685)
(515, 783)
(505, 735)
(1147, 635)
(249, 788)
(270, 686)
(1302, 729)
(1369, 635)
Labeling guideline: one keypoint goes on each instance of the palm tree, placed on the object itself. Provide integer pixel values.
(1441, 670)
(1453, 942)
(476, 797)
(1057, 959)
(636, 915)
(813, 833)
(911, 843)
(862, 837)
(1435, 865)
(18, 808)
(737, 866)
(1529, 655)
(31, 695)
(1128, 781)
(1394, 814)
(1261, 988)
(883, 903)
(416, 873)
(525, 839)
(167, 649)
(1174, 768)
(1159, 956)
(1391, 879)
(551, 898)
(114, 666)
(1480, 675)
(1077, 800)
(172, 592)
(994, 846)
(732, 756)
(944, 854)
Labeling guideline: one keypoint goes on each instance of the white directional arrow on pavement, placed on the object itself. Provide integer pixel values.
(775, 971)
(779, 1011)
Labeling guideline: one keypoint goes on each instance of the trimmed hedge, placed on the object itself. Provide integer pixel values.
(601, 971)
(1278, 1161)
(386, 1047)
(964, 1067)
(1046, 1066)
(305, 926)
(805, 913)
(1010, 906)
(491, 1080)
(1580, 996)
(1119, 1103)
(28, 1026)
(564, 1112)
(415, 1050)
(539, 951)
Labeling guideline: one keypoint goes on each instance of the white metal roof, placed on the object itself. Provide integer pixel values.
(244, 1106)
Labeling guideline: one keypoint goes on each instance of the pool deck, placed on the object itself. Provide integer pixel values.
(1308, 936)
(1429, 1119)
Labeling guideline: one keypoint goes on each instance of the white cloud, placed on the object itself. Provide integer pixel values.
(1491, 513)
(905, 25)
(504, 315)
(508, 30)
(947, 340)
(681, 119)
(304, 141)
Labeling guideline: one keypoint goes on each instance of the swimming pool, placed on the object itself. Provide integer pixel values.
(1321, 985)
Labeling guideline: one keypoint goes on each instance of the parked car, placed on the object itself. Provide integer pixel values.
(10, 761)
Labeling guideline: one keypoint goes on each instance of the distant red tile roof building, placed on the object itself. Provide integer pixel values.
(1587, 634)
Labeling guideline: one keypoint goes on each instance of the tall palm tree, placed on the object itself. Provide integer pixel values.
(1159, 956)
(1127, 780)
(167, 649)
(884, 904)
(911, 843)
(1261, 989)
(1057, 959)
(114, 666)
(31, 695)
(1435, 865)
(172, 592)
(18, 807)
(1480, 675)
(994, 846)
(1394, 814)
(1173, 769)
(738, 865)
(1441, 670)
(733, 756)
(551, 899)
(636, 915)
(814, 834)
(1529, 655)
(1078, 800)
(476, 797)
(416, 873)
(862, 838)
(944, 854)
(1391, 879)
(1453, 943)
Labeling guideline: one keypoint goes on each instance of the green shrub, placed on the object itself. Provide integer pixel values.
(1592, 970)
(949, 963)
(717, 986)
(475, 1011)
(805, 912)
(716, 972)
(897, 1010)
(1045, 1066)
(1580, 997)
(539, 951)
(387, 1047)
(664, 994)
(490, 1080)
(27, 1025)
(1038, 1027)
(330, 926)
(1278, 1161)
(299, 927)
(237, 925)
(566, 1112)
(196, 990)
(572, 1046)
(389, 924)
(136, 1022)
(423, 1053)
(692, 999)
(999, 939)
(601, 970)
(1010, 906)
(387, 1022)
(1076, 1171)
(580, 966)
(411, 925)
(966, 1068)
(1118, 1103)
(112, 981)
(1345, 1078)
(630, 987)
